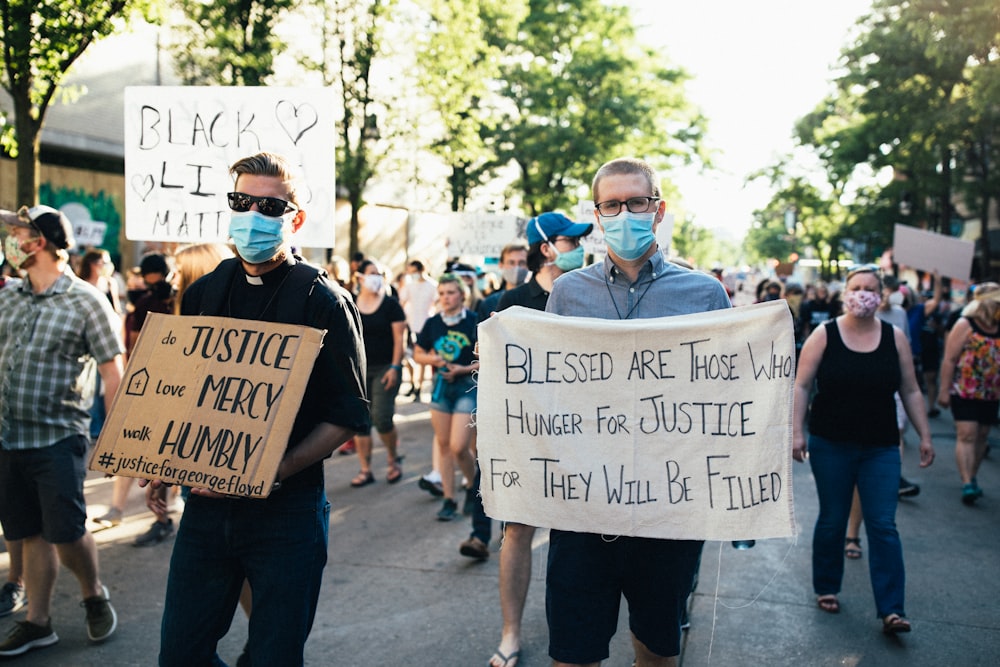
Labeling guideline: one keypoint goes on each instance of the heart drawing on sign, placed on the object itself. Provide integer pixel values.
(143, 185)
(295, 120)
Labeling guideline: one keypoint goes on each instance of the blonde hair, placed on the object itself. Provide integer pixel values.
(193, 262)
(985, 305)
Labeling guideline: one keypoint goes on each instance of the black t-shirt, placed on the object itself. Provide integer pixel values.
(455, 343)
(855, 391)
(377, 329)
(336, 392)
(530, 295)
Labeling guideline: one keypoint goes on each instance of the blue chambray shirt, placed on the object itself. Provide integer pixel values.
(50, 347)
(661, 289)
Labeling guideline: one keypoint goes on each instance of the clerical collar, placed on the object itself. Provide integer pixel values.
(272, 277)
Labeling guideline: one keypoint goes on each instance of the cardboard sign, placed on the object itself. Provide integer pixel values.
(676, 427)
(928, 251)
(208, 402)
(181, 140)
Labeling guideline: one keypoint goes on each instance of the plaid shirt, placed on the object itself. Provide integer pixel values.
(50, 347)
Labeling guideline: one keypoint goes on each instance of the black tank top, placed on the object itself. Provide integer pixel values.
(854, 400)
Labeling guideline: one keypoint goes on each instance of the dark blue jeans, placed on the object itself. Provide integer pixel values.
(278, 544)
(837, 467)
(482, 525)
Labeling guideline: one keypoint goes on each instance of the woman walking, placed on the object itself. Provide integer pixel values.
(447, 342)
(858, 362)
(970, 382)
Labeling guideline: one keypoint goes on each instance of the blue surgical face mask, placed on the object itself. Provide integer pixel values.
(568, 261)
(628, 234)
(256, 236)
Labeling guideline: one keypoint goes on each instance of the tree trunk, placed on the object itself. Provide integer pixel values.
(28, 172)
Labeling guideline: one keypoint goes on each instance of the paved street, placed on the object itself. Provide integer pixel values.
(396, 590)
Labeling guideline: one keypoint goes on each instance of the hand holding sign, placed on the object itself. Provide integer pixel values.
(675, 428)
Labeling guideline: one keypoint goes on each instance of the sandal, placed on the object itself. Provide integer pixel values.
(894, 624)
(828, 603)
(395, 473)
(505, 660)
(363, 478)
(852, 552)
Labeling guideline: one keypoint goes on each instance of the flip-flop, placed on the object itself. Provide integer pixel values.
(894, 624)
(828, 603)
(514, 656)
(852, 548)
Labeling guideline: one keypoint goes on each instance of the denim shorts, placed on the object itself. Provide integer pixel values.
(587, 576)
(41, 491)
(458, 397)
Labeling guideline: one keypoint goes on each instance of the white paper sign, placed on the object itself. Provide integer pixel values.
(927, 251)
(676, 427)
(181, 140)
(482, 234)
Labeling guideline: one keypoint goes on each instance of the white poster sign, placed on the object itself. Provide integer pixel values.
(482, 234)
(181, 140)
(927, 251)
(676, 427)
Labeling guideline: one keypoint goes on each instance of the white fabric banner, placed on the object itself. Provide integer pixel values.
(675, 427)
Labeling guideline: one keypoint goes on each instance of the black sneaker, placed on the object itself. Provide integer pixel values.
(156, 534)
(12, 598)
(101, 617)
(433, 488)
(25, 636)
(448, 511)
(907, 488)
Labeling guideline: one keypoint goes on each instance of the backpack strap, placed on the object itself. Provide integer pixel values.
(213, 298)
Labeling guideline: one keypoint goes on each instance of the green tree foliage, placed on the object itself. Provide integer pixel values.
(918, 93)
(228, 43)
(357, 33)
(696, 245)
(41, 39)
(924, 73)
(579, 89)
(458, 56)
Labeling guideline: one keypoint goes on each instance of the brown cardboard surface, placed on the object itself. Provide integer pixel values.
(208, 402)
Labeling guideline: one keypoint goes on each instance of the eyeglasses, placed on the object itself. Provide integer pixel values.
(633, 204)
(272, 207)
(573, 241)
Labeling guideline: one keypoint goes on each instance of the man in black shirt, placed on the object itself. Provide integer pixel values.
(279, 544)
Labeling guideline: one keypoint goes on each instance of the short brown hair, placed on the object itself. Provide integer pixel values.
(267, 164)
(627, 166)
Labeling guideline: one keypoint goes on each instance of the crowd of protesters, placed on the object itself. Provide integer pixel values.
(419, 334)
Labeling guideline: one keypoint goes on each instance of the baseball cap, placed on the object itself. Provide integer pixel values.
(47, 221)
(547, 226)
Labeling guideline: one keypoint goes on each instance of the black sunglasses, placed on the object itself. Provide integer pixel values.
(272, 207)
